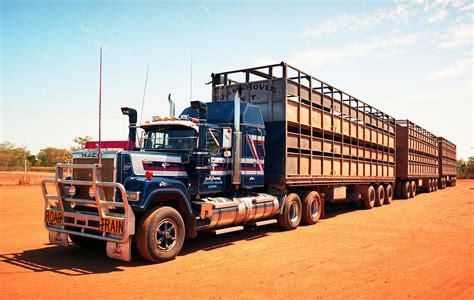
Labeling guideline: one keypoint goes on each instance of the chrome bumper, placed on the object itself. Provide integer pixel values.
(95, 223)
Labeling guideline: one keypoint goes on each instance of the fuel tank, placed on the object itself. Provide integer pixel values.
(226, 211)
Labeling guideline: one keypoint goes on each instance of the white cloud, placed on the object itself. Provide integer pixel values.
(468, 7)
(438, 16)
(354, 23)
(456, 36)
(460, 67)
(360, 49)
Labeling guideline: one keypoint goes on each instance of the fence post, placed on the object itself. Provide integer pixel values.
(24, 180)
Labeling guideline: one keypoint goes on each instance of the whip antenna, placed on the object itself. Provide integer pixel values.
(100, 108)
(191, 83)
(144, 92)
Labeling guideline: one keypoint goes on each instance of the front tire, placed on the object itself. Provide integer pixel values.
(290, 216)
(160, 234)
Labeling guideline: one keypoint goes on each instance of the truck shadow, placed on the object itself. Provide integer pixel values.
(76, 261)
(70, 261)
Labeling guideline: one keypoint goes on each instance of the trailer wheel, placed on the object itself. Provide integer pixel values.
(436, 184)
(412, 189)
(369, 198)
(379, 196)
(453, 182)
(160, 234)
(388, 194)
(429, 188)
(398, 190)
(406, 190)
(290, 216)
(311, 208)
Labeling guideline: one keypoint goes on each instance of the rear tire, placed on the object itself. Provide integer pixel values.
(379, 196)
(311, 208)
(429, 189)
(436, 184)
(388, 194)
(369, 199)
(412, 189)
(406, 191)
(160, 234)
(290, 216)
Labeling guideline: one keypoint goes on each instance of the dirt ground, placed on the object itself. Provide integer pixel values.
(417, 248)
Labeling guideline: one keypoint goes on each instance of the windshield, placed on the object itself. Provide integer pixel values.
(171, 138)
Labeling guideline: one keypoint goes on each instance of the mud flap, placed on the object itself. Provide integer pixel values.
(121, 251)
(58, 238)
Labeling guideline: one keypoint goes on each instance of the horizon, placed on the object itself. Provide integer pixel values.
(410, 59)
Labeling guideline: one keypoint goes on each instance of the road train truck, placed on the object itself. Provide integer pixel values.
(271, 147)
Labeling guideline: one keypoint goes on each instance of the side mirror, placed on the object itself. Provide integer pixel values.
(226, 138)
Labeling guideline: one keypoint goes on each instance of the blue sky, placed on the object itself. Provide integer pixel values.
(411, 59)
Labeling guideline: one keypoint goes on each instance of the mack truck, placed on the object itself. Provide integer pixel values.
(270, 148)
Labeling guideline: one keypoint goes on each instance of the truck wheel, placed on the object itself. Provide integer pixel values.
(436, 184)
(388, 194)
(160, 234)
(290, 216)
(405, 189)
(369, 199)
(453, 182)
(412, 189)
(311, 208)
(429, 189)
(379, 196)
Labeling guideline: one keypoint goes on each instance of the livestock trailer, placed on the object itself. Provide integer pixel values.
(447, 163)
(417, 160)
(318, 137)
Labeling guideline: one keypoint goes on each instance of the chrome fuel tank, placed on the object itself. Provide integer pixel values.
(223, 211)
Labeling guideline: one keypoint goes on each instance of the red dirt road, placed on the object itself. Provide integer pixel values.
(417, 248)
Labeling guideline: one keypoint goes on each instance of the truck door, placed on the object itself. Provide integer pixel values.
(253, 158)
(213, 178)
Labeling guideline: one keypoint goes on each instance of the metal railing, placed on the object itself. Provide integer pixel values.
(87, 223)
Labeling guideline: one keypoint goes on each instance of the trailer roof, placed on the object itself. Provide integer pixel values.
(323, 88)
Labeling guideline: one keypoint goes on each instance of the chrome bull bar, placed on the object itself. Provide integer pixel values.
(108, 220)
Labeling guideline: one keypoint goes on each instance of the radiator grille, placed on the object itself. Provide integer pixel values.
(107, 173)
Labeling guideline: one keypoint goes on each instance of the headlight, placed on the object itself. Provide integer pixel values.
(133, 196)
(71, 191)
(91, 192)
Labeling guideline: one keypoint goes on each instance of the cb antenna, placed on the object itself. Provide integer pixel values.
(100, 108)
(144, 92)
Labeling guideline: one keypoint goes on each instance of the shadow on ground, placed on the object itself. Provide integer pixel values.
(76, 261)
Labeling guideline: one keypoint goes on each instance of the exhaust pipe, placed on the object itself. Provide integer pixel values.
(132, 123)
(237, 141)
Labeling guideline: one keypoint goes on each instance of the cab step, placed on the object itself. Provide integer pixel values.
(227, 230)
(262, 223)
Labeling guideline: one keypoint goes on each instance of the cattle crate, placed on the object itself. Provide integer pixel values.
(417, 151)
(447, 162)
(315, 133)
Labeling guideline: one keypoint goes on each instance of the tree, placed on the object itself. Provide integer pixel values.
(11, 155)
(80, 142)
(32, 159)
(50, 156)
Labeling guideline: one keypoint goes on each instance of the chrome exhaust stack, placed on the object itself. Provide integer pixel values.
(237, 153)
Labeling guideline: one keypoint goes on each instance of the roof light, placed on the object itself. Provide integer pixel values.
(173, 118)
(166, 118)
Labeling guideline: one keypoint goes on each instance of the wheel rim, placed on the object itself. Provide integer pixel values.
(314, 208)
(166, 235)
(293, 212)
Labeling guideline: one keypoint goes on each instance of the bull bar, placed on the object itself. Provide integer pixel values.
(118, 245)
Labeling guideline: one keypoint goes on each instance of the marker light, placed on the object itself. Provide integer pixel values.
(71, 191)
(166, 118)
(158, 119)
(149, 175)
(173, 118)
(91, 192)
(194, 120)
